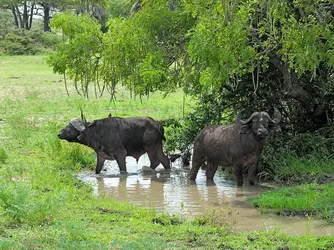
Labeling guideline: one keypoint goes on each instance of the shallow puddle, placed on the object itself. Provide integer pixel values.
(172, 192)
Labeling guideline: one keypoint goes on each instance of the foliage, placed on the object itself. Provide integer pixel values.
(79, 57)
(137, 52)
(253, 55)
(17, 45)
(118, 8)
(28, 42)
(6, 23)
(256, 57)
(210, 109)
(297, 157)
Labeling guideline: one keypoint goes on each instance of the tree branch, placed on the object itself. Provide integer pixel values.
(290, 81)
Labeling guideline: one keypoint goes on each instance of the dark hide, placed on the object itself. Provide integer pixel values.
(114, 138)
(238, 145)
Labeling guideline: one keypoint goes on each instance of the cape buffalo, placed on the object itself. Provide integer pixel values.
(115, 138)
(238, 145)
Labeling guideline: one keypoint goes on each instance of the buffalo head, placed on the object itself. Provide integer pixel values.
(73, 130)
(260, 123)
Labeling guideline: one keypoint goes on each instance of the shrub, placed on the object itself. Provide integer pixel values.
(14, 44)
(28, 42)
(297, 157)
(49, 40)
(6, 22)
(181, 133)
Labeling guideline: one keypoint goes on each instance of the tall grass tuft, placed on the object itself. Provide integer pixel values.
(222, 216)
(3, 156)
(300, 158)
(25, 205)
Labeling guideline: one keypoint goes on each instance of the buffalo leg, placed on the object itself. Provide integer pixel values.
(252, 172)
(163, 158)
(99, 164)
(153, 159)
(238, 171)
(121, 163)
(196, 164)
(211, 170)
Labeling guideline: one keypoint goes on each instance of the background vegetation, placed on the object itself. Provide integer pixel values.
(44, 205)
(229, 55)
(217, 57)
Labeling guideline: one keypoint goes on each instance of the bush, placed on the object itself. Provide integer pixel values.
(49, 40)
(17, 45)
(28, 42)
(181, 134)
(6, 22)
(297, 157)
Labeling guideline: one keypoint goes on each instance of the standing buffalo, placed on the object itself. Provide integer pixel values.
(115, 138)
(238, 145)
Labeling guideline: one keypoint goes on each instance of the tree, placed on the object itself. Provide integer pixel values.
(22, 11)
(138, 52)
(266, 53)
(256, 54)
(79, 57)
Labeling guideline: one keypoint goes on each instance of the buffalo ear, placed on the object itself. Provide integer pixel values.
(245, 129)
(275, 128)
(109, 115)
(90, 124)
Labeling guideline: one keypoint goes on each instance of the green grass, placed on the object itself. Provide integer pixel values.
(309, 199)
(290, 169)
(44, 206)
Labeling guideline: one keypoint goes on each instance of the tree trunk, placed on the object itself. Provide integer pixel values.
(15, 17)
(25, 16)
(290, 81)
(46, 18)
(31, 15)
(18, 14)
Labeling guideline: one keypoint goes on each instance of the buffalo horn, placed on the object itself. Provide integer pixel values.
(244, 122)
(77, 124)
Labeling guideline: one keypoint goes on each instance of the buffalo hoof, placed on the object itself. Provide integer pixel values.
(192, 177)
(148, 170)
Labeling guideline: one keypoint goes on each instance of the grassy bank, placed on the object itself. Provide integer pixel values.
(308, 199)
(43, 204)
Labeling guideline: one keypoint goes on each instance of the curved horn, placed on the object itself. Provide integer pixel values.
(77, 124)
(244, 122)
(277, 117)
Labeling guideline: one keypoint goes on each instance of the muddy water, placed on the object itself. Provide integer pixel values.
(173, 192)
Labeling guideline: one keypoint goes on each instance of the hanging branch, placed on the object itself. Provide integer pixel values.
(68, 94)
